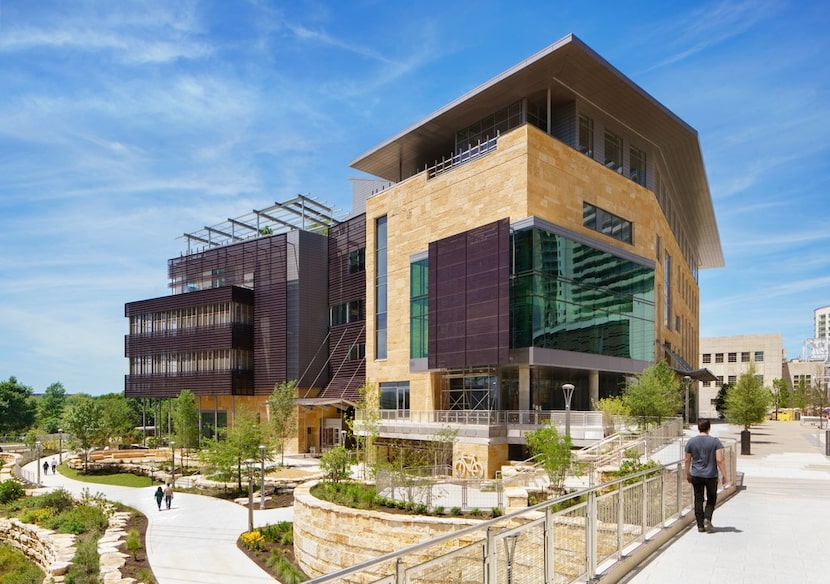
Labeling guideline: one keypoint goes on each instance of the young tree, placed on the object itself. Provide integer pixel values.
(553, 451)
(82, 420)
(720, 399)
(50, 408)
(799, 397)
(17, 407)
(747, 403)
(654, 394)
(186, 419)
(780, 394)
(365, 426)
(283, 412)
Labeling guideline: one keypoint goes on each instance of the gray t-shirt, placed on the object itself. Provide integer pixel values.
(704, 461)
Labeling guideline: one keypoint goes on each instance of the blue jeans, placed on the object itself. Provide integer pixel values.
(710, 488)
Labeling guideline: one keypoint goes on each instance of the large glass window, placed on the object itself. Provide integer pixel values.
(637, 165)
(418, 309)
(357, 260)
(394, 395)
(570, 296)
(380, 287)
(489, 127)
(613, 150)
(473, 390)
(586, 136)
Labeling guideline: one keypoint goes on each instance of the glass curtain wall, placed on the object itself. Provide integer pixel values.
(567, 295)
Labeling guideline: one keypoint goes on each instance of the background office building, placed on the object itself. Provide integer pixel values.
(728, 357)
(546, 228)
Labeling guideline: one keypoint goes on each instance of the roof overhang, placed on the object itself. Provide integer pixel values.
(311, 402)
(570, 70)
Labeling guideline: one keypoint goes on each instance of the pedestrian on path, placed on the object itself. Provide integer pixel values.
(159, 495)
(54, 466)
(168, 495)
(45, 468)
(704, 457)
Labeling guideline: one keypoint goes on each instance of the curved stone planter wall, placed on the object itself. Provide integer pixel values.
(329, 537)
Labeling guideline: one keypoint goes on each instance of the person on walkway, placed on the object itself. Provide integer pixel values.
(54, 464)
(704, 457)
(159, 495)
(45, 468)
(168, 495)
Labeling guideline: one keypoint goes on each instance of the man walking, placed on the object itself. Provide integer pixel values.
(704, 457)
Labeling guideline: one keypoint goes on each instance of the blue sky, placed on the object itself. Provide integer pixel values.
(125, 124)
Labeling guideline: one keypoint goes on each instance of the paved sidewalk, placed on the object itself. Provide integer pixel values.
(775, 529)
(195, 541)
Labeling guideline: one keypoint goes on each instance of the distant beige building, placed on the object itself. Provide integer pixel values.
(810, 372)
(728, 357)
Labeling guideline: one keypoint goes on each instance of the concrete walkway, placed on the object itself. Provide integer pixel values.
(775, 529)
(195, 541)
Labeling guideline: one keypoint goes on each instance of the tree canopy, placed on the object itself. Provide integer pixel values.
(748, 401)
(553, 451)
(186, 419)
(50, 407)
(18, 410)
(654, 394)
(82, 419)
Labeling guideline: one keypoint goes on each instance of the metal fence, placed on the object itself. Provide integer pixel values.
(575, 537)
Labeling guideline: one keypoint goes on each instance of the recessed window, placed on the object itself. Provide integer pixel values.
(719, 382)
(707, 357)
(637, 165)
(357, 352)
(718, 357)
(759, 356)
(732, 358)
(586, 136)
(357, 260)
(732, 379)
(613, 151)
(607, 223)
(745, 357)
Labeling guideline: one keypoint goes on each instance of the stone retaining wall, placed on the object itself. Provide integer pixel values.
(328, 537)
(53, 552)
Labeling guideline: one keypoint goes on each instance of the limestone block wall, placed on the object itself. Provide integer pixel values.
(329, 537)
(53, 552)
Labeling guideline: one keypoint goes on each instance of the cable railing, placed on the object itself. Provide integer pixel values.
(576, 537)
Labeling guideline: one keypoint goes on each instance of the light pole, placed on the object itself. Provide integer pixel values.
(568, 390)
(60, 445)
(37, 447)
(686, 380)
(262, 477)
(173, 463)
(250, 462)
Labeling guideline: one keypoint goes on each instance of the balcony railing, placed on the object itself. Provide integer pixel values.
(474, 151)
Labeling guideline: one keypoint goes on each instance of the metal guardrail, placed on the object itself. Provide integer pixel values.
(574, 537)
(471, 153)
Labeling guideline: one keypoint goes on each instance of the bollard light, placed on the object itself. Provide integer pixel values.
(60, 446)
(37, 447)
(173, 463)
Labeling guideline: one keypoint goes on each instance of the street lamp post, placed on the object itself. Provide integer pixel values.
(568, 390)
(262, 477)
(686, 381)
(37, 447)
(250, 462)
(60, 445)
(173, 463)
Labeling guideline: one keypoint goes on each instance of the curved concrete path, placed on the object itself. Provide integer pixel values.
(775, 529)
(192, 543)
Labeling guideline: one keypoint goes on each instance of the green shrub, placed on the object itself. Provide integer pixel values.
(82, 519)
(335, 463)
(455, 511)
(133, 542)
(286, 572)
(495, 512)
(475, 512)
(85, 568)
(439, 510)
(11, 490)
(421, 509)
(59, 500)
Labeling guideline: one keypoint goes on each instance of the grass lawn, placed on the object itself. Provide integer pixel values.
(122, 479)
